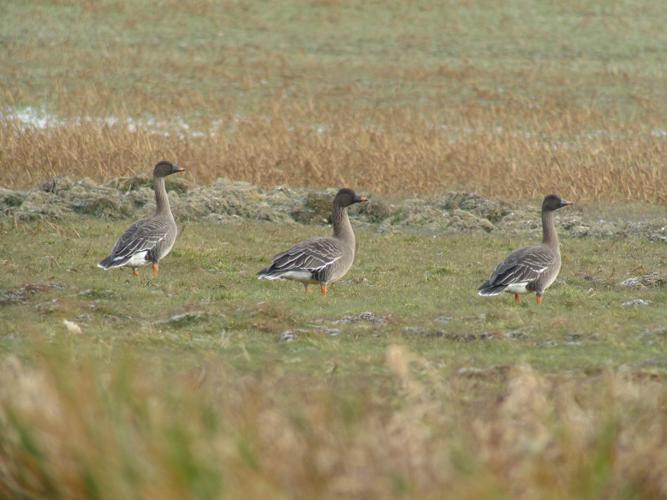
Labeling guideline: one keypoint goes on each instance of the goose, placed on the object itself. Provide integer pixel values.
(530, 269)
(322, 260)
(148, 240)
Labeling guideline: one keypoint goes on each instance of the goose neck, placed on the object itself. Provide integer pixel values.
(549, 234)
(342, 228)
(161, 197)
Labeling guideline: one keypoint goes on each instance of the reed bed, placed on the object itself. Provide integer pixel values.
(497, 152)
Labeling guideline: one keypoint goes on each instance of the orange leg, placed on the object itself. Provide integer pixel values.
(517, 298)
(156, 270)
(324, 290)
(538, 299)
(135, 273)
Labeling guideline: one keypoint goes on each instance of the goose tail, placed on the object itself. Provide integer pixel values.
(488, 289)
(269, 274)
(111, 262)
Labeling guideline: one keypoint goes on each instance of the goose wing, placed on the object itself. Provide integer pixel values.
(142, 236)
(522, 266)
(311, 255)
(316, 256)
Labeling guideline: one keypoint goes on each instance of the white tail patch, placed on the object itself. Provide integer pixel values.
(270, 277)
(517, 288)
(289, 275)
(138, 259)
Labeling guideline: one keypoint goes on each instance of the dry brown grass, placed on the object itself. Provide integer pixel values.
(388, 151)
(75, 432)
(535, 97)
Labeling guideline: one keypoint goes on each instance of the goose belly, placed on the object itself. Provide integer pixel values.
(138, 259)
(303, 276)
(164, 247)
(340, 269)
(517, 288)
(548, 279)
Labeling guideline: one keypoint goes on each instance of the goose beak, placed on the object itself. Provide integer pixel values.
(360, 199)
(564, 203)
(177, 169)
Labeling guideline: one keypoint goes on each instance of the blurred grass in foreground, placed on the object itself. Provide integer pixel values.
(73, 427)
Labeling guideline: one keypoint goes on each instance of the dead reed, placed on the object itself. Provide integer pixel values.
(498, 151)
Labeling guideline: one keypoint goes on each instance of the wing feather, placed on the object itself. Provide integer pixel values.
(142, 236)
(522, 266)
(313, 256)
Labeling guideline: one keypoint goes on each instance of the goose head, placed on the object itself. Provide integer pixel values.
(554, 202)
(346, 197)
(164, 168)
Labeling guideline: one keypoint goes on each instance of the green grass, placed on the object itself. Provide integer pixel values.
(208, 58)
(214, 405)
(412, 281)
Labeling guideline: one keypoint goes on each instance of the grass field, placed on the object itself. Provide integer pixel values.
(512, 101)
(402, 383)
